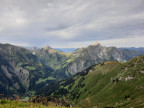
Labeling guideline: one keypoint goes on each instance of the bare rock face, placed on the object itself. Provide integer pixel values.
(96, 43)
(22, 74)
(77, 66)
(6, 72)
(13, 80)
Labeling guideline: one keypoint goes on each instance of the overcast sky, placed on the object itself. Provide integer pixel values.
(72, 23)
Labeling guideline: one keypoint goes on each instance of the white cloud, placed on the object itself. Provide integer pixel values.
(126, 42)
(1, 29)
(16, 43)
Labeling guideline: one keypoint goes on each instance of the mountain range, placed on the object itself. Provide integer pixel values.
(140, 49)
(66, 50)
(70, 50)
(68, 64)
(24, 70)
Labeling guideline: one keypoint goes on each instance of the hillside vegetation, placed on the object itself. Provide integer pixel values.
(109, 84)
(20, 104)
(23, 72)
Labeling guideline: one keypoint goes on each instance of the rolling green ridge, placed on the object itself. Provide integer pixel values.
(109, 84)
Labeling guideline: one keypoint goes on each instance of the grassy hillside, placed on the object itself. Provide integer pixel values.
(20, 104)
(110, 84)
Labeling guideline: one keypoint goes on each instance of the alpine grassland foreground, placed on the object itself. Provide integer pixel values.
(4, 103)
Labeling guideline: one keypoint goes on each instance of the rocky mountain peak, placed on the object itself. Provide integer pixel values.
(96, 43)
(47, 47)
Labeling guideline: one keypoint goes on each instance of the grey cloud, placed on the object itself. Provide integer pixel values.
(40, 22)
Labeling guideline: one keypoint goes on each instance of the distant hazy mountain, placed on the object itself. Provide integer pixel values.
(141, 49)
(107, 85)
(32, 48)
(66, 50)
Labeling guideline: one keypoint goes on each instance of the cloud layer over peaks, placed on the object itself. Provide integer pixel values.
(66, 22)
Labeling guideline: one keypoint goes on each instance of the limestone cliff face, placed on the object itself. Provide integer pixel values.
(78, 66)
(19, 77)
(22, 74)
